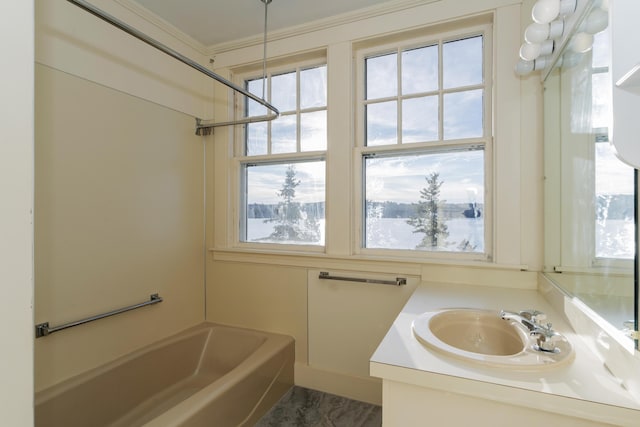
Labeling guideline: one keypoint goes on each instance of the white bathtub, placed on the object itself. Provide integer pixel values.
(208, 375)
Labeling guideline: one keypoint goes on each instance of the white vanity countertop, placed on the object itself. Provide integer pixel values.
(582, 388)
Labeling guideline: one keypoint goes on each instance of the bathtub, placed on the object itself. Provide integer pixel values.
(208, 375)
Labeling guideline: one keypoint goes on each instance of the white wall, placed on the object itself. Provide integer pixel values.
(281, 293)
(517, 149)
(16, 224)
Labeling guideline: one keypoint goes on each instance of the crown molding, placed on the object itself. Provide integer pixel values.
(321, 24)
(163, 25)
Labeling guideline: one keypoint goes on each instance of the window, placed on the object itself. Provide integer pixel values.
(408, 205)
(614, 180)
(425, 146)
(282, 166)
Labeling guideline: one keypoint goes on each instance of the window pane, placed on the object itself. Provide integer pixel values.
(253, 108)
(601, 43)
(428, 202)
(313, 131)
(284, 203)
(382, 76)
(420, 70)
(463, 115)
(283, 91)
(313, 87)
(462, 62)
(382, 123)
(614, 205)
(420, 119)
(283, 135)
(256, 139)
(601, 100)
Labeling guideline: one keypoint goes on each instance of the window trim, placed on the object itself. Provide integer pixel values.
(599, 262)
(487, 140)
(254, 73)
(239, 158)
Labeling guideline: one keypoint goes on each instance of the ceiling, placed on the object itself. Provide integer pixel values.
(213, 22)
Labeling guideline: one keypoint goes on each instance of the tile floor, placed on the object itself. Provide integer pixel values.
(302, 407)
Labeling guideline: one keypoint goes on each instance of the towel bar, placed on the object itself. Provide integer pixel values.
(398, 282)
(43, 329)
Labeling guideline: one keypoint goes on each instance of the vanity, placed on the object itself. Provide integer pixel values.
(422, 386)
(588, 288)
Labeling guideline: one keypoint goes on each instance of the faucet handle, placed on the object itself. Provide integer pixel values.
(546, 338)
(532, 315)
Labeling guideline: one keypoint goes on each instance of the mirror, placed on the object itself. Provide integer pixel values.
(590, 195)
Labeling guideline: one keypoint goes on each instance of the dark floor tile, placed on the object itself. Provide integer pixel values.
(303, 407)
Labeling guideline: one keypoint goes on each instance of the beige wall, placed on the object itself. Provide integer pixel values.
(337, 325)
(119, 216)
(119, 184)
(76, 42)
(119, 202)
(16, 220)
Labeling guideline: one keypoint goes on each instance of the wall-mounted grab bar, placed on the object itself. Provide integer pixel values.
(398, 282)
(201, 125)
(43, 329)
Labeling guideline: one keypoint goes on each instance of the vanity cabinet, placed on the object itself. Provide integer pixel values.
(424, 387)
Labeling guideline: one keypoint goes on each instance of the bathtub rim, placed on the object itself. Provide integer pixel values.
(272, 343)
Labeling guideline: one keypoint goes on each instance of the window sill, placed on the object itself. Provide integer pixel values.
(410, 266)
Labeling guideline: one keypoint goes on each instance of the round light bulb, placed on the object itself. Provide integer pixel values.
(556, 29)
(547, 47)
(545, 11)
(541, 63)
(536, 33)
(597, 21)
(524, 67)
(567, 7)
(582, 42)
(529, 51)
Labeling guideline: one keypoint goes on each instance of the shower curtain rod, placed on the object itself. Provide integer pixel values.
(202, 126)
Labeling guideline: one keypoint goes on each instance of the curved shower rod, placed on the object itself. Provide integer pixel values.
(202, 126)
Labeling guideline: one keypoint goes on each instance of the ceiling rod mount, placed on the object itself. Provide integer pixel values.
(201, 125)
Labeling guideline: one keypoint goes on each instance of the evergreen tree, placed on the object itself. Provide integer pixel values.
(428, 216)
(292, 222)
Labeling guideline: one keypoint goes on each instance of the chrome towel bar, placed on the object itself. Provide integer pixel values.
(43, 329)
(398, 282)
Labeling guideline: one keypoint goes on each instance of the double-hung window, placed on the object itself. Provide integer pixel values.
(424, 145)
(282, 162)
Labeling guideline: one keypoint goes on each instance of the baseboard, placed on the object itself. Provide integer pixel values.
(364, 389)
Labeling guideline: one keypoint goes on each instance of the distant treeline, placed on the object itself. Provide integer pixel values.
(408, 210)
(381, 209)
(261, 210)
(619, 206)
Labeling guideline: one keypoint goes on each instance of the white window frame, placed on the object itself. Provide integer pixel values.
(361, 150)
(582, 146)
(239, 158)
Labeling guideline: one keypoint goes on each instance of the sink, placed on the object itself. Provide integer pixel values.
(483, 336)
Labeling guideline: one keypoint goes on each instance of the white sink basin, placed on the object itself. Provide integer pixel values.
(482, 336)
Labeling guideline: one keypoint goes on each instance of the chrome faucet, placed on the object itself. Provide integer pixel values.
(544, 334)
(528, 318)
(546, 338)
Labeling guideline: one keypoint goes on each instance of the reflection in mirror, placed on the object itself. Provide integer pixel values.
(590, 197)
